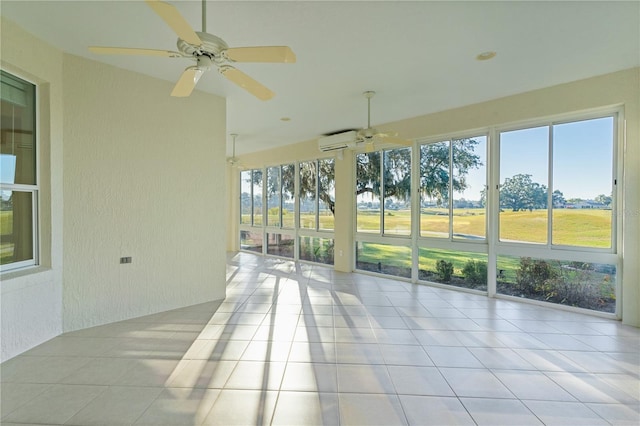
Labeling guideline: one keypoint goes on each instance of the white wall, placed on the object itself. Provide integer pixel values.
(31, 303)
(144, 177)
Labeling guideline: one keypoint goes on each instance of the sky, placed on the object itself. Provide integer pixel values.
(582, 156)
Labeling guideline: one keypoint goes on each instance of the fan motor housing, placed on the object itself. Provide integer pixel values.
(211, 46)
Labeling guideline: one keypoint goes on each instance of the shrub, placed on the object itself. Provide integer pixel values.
(534, 274)
(444, 269)
(475, 272)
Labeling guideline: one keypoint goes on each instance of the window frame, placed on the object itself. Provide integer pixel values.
(450, 138)
(617, 114)
(34, 189)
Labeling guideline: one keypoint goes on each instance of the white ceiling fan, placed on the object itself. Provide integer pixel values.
(233, 161)
(207, 50)
(353, 138)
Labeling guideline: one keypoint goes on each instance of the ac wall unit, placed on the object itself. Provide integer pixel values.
(338, 141)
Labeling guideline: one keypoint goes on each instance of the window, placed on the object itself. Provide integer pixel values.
(556, 213)
(246, 197)
(562, 195)
(273, 196)
(326, 194)
(256, 176)
(307, 192)
(368, 192)
(317, 194)
(288, 175)
(18, 176)
(452, 189)
(392, 216)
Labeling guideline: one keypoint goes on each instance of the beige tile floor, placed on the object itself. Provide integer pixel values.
(301, 344)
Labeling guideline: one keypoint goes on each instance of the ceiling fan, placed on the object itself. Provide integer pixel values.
(233, 161)
(358, 137)
(207, 50)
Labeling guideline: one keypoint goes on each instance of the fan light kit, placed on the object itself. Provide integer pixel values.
(208, 51)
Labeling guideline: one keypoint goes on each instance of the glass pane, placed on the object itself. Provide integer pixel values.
(469, 183)
(397, 191)
(246, 205)
(434, 190)
(583, 183)
(308, 178)
(523, 189)
(384, 259)
(326, 193)
(457, 268)
(17, 134)
(251, 241)
(16, 226)
(280, 245)
(368, 192)
(273, 196)
(584, 285)
(257, 197)
(288, 201)
(319, 250)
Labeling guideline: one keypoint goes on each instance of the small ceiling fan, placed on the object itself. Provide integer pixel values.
(368, 136)
(233, 161)
(207, 50)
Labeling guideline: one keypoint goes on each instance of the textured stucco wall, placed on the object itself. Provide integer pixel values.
(144, 177)
(31, 301)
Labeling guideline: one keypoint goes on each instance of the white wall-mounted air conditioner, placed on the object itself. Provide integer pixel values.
(337, 141)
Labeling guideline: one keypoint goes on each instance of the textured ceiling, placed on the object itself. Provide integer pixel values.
(419, 56)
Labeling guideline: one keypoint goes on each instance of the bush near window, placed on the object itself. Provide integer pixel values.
(475, 272)
(445, 270)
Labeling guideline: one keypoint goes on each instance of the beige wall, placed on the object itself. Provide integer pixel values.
(143, 177)
(621, 88)
(124, 172)
(31, 301)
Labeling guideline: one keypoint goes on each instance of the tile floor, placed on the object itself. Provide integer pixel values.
(301, 344)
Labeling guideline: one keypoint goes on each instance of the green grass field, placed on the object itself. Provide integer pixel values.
(580, 227)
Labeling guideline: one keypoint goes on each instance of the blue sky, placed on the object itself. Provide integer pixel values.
(582, 156)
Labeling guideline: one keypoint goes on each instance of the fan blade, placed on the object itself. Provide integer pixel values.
(187, 82)
(133, 51)
(261, 54)
(175, 20)
(247, 83)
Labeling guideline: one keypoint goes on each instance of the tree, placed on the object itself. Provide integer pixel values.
(558, 199)
(521, 193)
(603, 199)
(434, 173)
(434, 170)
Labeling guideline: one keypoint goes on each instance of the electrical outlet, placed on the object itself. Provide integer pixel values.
(125, 259)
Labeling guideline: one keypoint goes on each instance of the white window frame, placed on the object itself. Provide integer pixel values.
(33, 189)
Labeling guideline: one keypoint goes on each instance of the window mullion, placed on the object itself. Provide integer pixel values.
(550, 189)
(382, 198)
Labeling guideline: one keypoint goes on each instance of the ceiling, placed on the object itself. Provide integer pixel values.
(419, 56)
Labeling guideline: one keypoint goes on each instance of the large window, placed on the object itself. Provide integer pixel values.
(18, 173)
(274, 229)
(556, 213)
(392, 216)
(452, 189)
(557, 184)
(383, 211)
